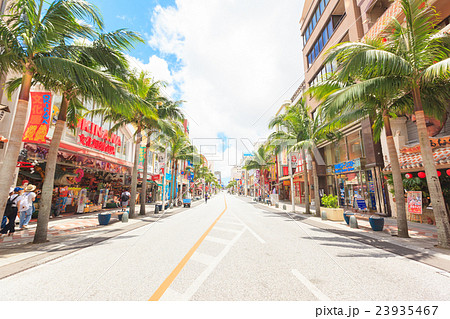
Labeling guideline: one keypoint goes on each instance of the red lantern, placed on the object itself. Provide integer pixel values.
(384, 39)
(408, 175)
(439, 173)
(421, 174)
(448, 172)
(385, 176)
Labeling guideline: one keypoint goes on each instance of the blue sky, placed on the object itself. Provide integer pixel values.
(135, 15)
(233, 63)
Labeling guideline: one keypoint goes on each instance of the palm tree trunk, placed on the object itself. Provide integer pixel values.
(434, 185)
(144, 181)
(316, 186)
(402, 223)
(137, 148)
(15, 141)
(172, 192)
(305, 172)
(45, 204)
(262, 185)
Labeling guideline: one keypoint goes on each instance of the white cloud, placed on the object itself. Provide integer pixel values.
(158, 68)
(239, 60)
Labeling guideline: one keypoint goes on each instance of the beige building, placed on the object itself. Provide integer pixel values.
(354, 163)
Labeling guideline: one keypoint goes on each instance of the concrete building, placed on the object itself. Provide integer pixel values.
(354, 163)
(325, 23)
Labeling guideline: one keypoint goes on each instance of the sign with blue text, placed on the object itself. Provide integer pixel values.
(346, 167)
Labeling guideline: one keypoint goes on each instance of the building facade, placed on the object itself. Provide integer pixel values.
(353, 164)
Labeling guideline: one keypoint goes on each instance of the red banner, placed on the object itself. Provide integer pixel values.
(39, 121)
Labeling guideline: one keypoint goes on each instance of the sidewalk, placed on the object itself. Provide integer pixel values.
(69, 224)
(70, 234)
(423, 237)
(416, 230)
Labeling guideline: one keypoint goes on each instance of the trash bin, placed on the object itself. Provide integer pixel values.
(104, 218)
(157, 208)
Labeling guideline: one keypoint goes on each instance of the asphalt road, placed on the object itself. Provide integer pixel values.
(229, 249)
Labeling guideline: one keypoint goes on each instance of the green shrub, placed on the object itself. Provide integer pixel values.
(330, 201)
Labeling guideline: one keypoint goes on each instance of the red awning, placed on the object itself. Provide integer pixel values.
(90, 153)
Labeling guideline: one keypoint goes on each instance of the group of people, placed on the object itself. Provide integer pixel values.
(20, 202)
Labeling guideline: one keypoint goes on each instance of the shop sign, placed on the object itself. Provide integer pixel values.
(39, 121)
(141, 155)
(286, 183)
(156, 177)
(349, 166)
(96, 144)
(94, 129)
(101, 145)
(434, 142)
(414, 202)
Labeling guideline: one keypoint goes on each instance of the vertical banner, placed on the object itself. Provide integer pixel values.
(39, 121)
(414, 200)
(141, 156)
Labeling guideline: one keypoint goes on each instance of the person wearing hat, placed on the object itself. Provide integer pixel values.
(11, 211)
(26, 206)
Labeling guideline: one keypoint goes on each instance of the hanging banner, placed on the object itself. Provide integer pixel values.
(39, 121)
(141, 156)
(414, 201)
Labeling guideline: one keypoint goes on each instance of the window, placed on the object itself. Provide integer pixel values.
(354, 146)
(315, 17)
(341, 151)
(321, 42)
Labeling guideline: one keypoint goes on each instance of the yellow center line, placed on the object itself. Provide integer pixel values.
(169, 280)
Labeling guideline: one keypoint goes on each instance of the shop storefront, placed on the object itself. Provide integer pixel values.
(84, 181)
(348, 175)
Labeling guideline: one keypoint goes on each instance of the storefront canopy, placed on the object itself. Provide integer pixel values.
(412, 161)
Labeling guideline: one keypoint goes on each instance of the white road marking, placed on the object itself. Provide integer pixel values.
(205, 274)
(203, 258)
(262, 241)
(308, 284)
(171, 295)
(230, 223)
(217, 240)
(226, 229)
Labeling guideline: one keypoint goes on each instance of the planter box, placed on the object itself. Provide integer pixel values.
(377, 223)
(335, 214)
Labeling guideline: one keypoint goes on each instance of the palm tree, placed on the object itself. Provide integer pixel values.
(141, 111)
(96, 86)
(299, 133)
(417, 56)
(344, 103)
(179, 148)
(26, 36)
(262, 160)
(167, 111)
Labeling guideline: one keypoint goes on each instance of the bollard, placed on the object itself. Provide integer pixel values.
(277, 205)
(125, 217)
(284, 207)
(353, 222)
(323, 214)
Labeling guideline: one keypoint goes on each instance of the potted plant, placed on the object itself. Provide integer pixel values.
(332, 210)
(376, 222)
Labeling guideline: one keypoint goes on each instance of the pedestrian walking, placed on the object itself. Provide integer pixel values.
(124, 199)
(25, 205)
(11, 212)
(206, 198)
